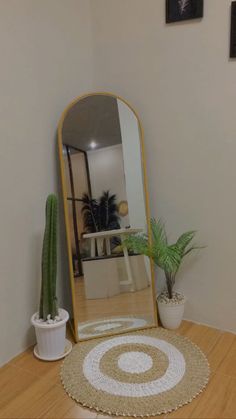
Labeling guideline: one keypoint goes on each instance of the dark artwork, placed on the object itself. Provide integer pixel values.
(178, 10)
(233, 30)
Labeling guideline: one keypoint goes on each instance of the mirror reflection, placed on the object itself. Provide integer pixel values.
(105, 202)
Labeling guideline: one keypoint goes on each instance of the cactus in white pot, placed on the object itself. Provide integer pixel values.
(50, 322)
(48, 301)
(169, 258)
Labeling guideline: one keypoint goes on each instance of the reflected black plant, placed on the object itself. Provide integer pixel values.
(101, 214)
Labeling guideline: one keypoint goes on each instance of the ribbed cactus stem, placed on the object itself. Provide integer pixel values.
(48, 299)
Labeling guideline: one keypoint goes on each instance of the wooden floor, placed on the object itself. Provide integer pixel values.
(31, 389)
(139, 303)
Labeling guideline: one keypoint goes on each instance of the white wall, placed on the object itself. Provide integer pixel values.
(132, 166)
(106, 170)
(183, 85)
(45, 49)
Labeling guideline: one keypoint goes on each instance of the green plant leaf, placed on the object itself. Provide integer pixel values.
(158, 232)
(184, 240)
(138, 243)
(167, 257)
(190, 249)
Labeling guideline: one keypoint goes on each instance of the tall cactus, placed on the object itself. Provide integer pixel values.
(48, 299)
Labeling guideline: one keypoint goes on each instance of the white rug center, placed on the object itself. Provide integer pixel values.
(107, 326)
(101, 381)
(135, 362)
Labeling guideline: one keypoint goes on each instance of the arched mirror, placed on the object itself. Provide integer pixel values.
(105, 199)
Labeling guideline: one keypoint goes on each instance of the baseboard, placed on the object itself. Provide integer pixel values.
(209, 325)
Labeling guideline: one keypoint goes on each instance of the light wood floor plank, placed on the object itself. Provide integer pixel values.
(228, 364)
(32, 397)
(220, 353)
(40, 404)
(139, 303)
(218, 400)
(77, 412)
(14, 383)
(184, 327)
(184, 412)
(22, 394)
(49, 370)
(205, 337)
(60, 408)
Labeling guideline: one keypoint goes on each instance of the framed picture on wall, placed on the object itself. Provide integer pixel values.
(233, 30)
(178, 10)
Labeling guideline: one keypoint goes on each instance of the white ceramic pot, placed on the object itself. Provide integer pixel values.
(171, 315)
(51, 338)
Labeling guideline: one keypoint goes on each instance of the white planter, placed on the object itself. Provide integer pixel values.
(51, 338)
(171, 314)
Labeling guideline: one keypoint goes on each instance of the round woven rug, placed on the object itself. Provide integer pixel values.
(143, 373)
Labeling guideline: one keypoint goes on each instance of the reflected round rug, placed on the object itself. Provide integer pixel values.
(144, 373)
(93, 328)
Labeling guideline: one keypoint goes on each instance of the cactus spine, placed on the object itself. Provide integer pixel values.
(48, 299)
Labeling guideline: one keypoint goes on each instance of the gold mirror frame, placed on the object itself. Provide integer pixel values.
(66, 213)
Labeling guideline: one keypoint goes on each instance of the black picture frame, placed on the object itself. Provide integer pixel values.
(180, 10)
(233, 30)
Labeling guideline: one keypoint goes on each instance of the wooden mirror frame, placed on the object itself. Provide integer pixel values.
(74, 326)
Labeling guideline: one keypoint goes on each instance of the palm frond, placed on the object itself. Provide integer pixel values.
(139, 244)
(168, 258)
(108, 211)
(190, 249)
(158, 232)
(184, 240)
(165, 256)
(90, 214)
(100, 215)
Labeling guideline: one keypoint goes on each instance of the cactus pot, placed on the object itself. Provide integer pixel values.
(171, 312)
(51, 338)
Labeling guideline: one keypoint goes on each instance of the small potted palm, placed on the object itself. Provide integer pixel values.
(168, 257)
(50, 321)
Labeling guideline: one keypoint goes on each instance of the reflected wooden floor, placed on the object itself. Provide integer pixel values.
(31, 389)
(138, 303)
